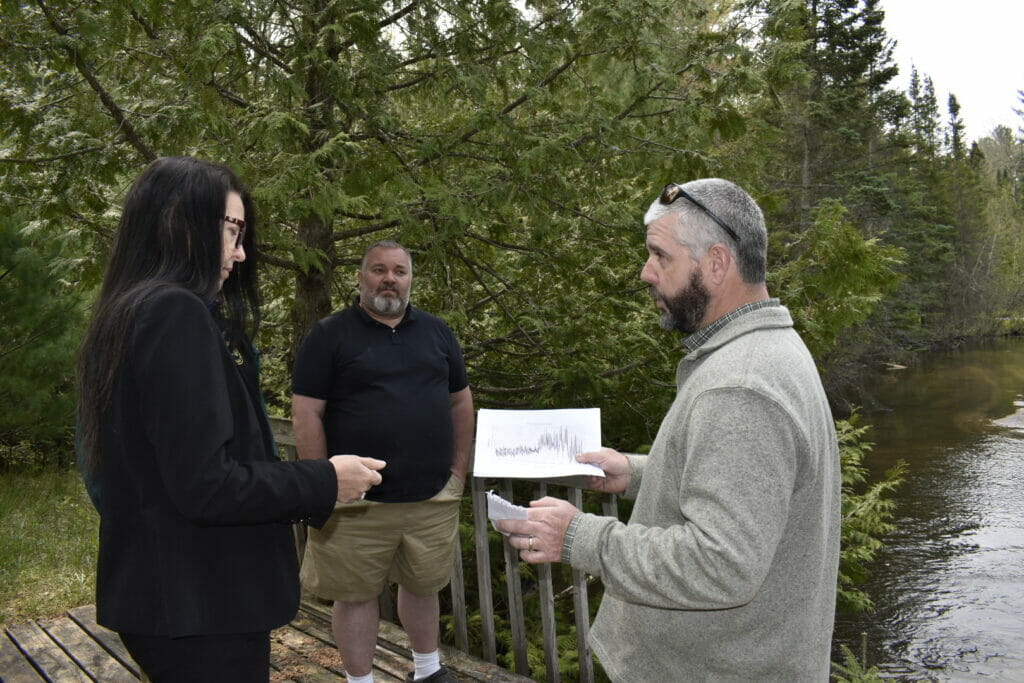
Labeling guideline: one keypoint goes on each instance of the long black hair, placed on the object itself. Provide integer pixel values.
(169, 235)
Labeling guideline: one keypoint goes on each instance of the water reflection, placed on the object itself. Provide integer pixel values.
(947, 590)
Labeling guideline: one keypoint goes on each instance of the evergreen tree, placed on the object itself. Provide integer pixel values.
(40, 320)
(955, 133)
(924, 118)
(505, 145)
(833, 140)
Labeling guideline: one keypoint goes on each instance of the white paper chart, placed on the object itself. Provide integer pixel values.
(536, 443)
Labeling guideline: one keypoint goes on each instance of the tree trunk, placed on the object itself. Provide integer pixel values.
(312, 289)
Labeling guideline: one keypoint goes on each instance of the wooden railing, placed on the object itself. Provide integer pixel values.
(514, 584)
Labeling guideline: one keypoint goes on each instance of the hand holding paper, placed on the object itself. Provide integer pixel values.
(539, 538)
(614, 466)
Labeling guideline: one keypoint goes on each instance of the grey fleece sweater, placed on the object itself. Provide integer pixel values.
(727, 567)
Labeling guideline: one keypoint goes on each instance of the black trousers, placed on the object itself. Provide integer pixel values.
(229, 658)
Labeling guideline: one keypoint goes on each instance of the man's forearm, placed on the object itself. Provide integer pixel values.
(463, 446)
(460, 461)
(462, 431)
(310, 438)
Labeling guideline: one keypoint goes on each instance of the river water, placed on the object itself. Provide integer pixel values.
(949, 588)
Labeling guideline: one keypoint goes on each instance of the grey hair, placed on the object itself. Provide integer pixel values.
(384, 244)
(731, 204)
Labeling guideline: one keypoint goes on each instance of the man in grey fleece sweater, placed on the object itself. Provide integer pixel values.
(727, 567)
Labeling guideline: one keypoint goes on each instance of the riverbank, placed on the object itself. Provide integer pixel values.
(944, 585)
(850, 380)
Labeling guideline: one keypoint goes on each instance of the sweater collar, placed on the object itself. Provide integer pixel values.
(698, 338)
(748, 318)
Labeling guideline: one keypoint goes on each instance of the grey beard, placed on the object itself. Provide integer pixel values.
(384, 305)
(667, 322)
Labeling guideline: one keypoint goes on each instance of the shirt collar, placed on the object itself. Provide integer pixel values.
(701, 336)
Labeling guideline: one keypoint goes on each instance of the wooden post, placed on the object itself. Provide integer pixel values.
(483, 571)
(458, 589)
(547, 612)
(581, 607)
(516, 616)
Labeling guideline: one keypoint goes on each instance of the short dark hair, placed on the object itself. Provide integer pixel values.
(384, 244)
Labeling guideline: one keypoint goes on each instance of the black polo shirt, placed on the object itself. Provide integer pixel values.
(388, 393)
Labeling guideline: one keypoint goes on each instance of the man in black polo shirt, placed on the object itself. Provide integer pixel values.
(383, 379)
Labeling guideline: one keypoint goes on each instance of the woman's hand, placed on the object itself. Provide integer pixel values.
(356, 475)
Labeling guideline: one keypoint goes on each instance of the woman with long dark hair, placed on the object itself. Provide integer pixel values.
(196, 558)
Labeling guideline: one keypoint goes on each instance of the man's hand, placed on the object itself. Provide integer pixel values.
(539, 538)
(356, 475)
(615, 466)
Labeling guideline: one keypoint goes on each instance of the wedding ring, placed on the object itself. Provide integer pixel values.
(530, 546)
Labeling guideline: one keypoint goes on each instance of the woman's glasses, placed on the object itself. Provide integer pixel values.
(240, 222)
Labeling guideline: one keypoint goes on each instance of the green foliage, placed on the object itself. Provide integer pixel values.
(513, 149)
(854, 669)
(867, 510)
(41, 319)
(834, 278)
(833, 131)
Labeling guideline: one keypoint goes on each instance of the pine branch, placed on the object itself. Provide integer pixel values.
(111, 106)
(279, 261)
(510, 107)
(57, 157)
(366, 230)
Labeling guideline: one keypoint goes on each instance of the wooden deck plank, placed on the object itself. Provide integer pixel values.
(89, 655)
(14, 668)
(291, 664)
(314, 649)
(85, 617)
(45, 654)
(74, 648)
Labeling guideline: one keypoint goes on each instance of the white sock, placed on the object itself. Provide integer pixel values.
(368, 678)
(426, 665)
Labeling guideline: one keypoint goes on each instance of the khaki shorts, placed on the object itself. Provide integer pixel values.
(366, 543)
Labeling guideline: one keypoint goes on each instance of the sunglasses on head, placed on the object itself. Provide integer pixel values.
(673, 192)
(240, 222)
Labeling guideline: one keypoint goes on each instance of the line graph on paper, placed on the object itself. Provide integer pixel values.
(553, 444)
(535, 443)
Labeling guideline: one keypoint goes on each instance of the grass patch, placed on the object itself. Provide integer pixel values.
(48, 539)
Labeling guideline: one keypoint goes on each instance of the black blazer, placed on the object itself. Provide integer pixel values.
(193, 503)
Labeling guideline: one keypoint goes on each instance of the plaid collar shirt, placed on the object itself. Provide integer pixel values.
(701, 336)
